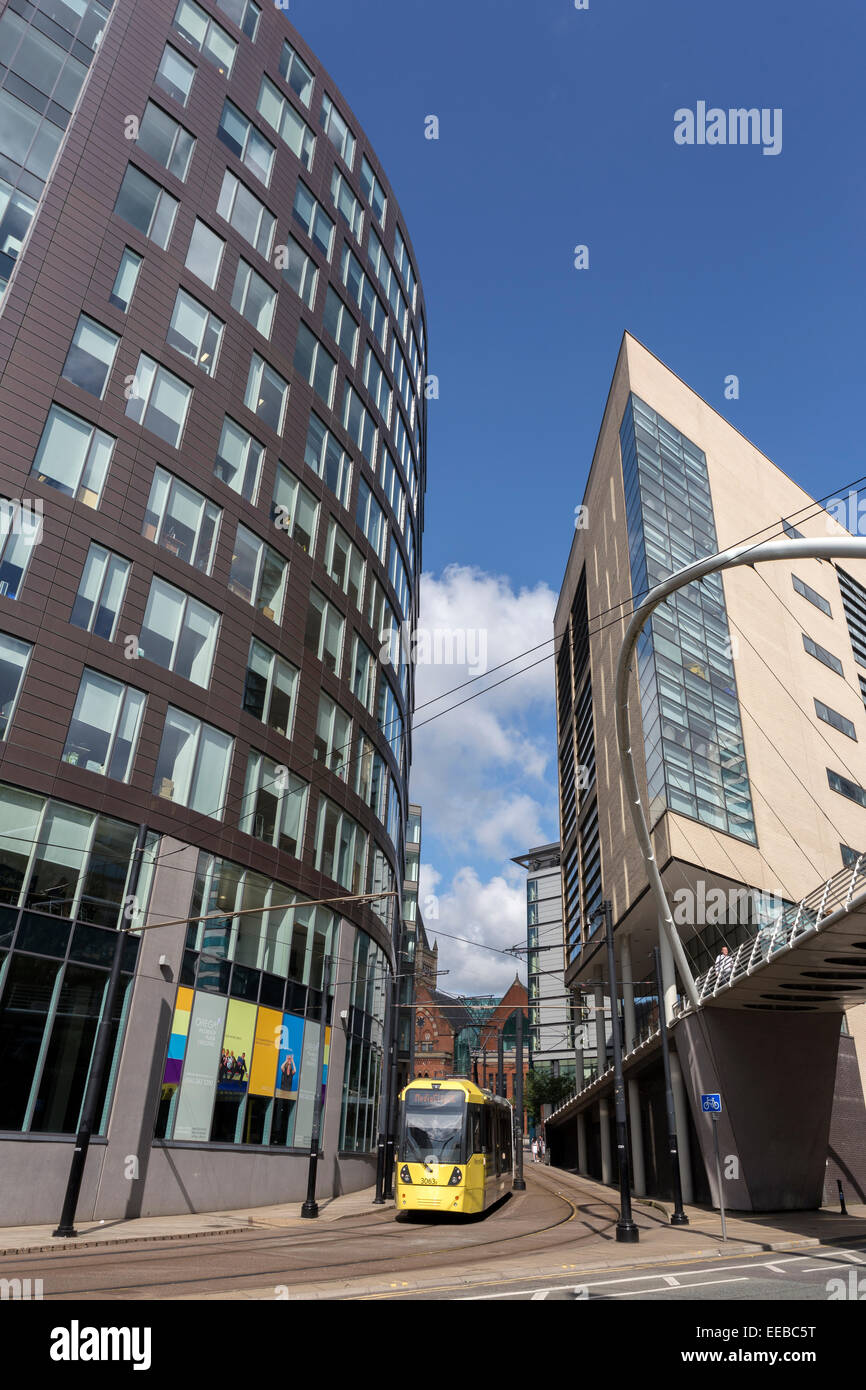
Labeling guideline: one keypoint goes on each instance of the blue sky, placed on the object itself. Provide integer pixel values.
(556, 129)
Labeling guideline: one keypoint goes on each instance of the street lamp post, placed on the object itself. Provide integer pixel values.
(679, 1217)
(310, 1207)
(626, 1230)
(519, 1182)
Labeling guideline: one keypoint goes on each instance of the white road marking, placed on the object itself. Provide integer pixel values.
(540, 1293)
(669, 1279)
(632, 1293)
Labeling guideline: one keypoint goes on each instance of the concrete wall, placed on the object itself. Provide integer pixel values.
(779, 1074)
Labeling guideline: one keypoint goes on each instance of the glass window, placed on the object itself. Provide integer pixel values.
(325, 455)
(337, 131)
(126, 280)
(315, 221)
(404, 266)
(248, 143)
(258, 574)
(73, 456)
(20, 530)
(347, 205)
(179, 633)
(371, 777)
(193, 764)
(206, 35)
(267, 393)
(104, 729)
(295, 509)
(836, 720)
(361, 289)
(299, 269)
(159, 400)
(812, 596)
(274, 805)
(26, 139)
(239, 460)
(282, 117)
(315, 364)
(399, 577)
(175, 75)
(340, 324)
(205, 254)
(166, 141)
(247, 214)
(358, 422)
(363, 673)
(16, 213)
(344, 563)
(821, 654)
(371, 519)
(244, 13)
(195, 332)
(341, 847)
(91, 356)
(390, 718)
(295, 72)
(14, 656)
(324, 631)
(146, 206)
(270, 686)
(181, 521)
(100, 592)
(253, 297)
(332, 740)
(373, 190)
(377, 384)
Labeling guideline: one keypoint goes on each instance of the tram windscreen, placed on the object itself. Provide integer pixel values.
(433, 1127)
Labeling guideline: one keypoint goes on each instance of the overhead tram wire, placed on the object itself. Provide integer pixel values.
(774, 532)
(622, 617)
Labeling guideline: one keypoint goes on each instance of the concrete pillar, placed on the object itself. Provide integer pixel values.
(638, 1171)
(629, 1021)
(681, 1113)
(604, 1130)
(582, 1165)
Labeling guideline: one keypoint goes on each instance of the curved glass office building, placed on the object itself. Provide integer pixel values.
(212, 368)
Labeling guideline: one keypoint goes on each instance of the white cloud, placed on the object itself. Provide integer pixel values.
(493, 913)
(480, 771)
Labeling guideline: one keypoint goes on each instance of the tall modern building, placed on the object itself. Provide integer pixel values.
(212, 366)
(746, 717)
(551, 1023)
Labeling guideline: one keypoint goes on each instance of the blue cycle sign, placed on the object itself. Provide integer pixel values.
(711, 1102)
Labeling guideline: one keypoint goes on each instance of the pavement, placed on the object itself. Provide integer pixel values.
(590, 1252)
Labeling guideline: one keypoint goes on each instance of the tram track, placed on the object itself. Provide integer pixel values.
(252, 1256)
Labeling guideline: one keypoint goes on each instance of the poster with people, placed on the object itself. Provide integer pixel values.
(237, 1048)
(291, 1051)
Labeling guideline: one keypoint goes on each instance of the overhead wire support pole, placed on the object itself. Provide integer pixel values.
(835, 547)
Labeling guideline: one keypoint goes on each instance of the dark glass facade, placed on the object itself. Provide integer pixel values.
(695, 755)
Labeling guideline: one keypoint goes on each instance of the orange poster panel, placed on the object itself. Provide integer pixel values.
(266, 1052)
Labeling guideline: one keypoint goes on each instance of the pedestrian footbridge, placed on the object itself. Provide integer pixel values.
(808, 957)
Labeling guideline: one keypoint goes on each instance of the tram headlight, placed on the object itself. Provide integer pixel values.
(405, 1175)
(455, 1178)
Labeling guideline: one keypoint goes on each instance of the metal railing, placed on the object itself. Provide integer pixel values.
(782, 931)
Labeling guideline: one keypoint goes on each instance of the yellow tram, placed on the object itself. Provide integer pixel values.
(454, 1147)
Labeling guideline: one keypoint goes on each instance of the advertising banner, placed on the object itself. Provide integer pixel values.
(204, 1044)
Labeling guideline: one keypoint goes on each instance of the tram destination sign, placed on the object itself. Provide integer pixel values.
(436, 1100)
